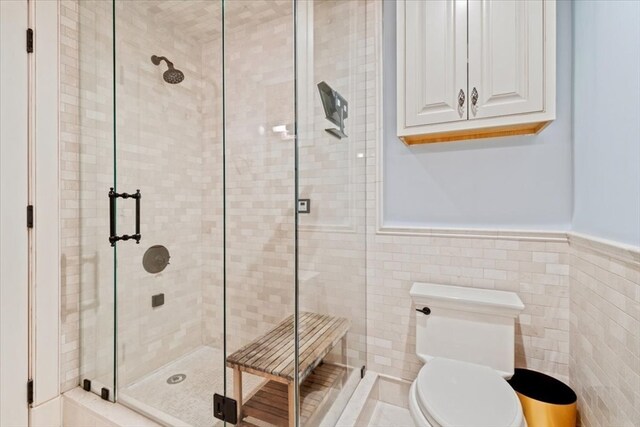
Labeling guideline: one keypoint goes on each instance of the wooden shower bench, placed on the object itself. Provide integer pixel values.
(272, 356)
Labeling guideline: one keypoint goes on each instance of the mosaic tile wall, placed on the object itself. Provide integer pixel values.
(604, 369)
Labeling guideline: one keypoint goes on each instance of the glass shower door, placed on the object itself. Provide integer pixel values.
(168, 154)
(234, 136)
(88, 261)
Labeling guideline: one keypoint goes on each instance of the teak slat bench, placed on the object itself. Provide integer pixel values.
(272, 354)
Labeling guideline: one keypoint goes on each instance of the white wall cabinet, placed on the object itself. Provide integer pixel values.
(436, 61)
(474, 68)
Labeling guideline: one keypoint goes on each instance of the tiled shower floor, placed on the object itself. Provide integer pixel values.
(191, 401)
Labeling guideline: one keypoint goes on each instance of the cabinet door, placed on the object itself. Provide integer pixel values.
(506, 57)
(435, 61)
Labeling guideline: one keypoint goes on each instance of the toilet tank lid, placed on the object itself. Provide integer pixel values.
(463, 295)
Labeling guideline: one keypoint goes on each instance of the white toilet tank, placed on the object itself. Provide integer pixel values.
(467, 324)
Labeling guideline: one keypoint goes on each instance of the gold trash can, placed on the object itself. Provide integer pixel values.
(546, 401)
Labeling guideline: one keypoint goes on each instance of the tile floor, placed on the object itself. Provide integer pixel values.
(388, 415)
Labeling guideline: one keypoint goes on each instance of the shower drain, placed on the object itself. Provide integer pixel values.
(175, 379)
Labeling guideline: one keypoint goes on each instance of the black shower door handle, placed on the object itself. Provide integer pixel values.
(113, 236)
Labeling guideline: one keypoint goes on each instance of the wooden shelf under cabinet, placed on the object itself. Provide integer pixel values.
(466, 134)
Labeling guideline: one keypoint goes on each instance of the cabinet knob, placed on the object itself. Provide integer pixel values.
(461, 98)
(474, 100)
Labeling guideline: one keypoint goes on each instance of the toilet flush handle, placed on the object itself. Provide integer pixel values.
(424, 310)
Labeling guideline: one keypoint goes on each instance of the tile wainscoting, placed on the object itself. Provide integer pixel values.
(604, 365)
(534, 265)
(581, 323)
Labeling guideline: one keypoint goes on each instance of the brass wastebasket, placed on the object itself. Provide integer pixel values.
(546, 401)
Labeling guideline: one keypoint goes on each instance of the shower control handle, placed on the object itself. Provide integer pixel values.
(424, 310)
(113, 236)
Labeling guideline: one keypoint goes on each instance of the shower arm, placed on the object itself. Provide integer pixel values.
(156, 60)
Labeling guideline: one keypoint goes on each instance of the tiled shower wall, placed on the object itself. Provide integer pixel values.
(69, 194)
(151, 119)
(85, 138)
(259, 94)
(332, 172)
(179, 172)
(211, 214)
(159, 142)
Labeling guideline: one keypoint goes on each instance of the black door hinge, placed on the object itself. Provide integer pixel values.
(225, 409)
(363, 371)
(29, 40)
(30, 392)
(30, 216)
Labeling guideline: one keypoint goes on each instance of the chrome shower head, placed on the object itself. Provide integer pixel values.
(172, 75)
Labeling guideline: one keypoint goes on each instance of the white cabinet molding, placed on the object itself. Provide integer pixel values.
(499, 54)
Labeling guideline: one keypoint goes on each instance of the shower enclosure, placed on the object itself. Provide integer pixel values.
(220, 158)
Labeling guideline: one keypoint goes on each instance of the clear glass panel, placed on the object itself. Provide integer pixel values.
(168, 77)
(260, 200)
(220, 171)
(87, 174)
(334, 71)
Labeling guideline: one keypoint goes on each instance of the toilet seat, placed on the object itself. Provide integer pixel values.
(454, 393)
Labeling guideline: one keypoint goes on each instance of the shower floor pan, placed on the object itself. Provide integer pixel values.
(187, 402)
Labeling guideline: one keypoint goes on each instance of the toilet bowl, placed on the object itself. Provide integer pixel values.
(453, 393)
(465, 337)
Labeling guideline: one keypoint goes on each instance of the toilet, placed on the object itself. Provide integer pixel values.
(465, 337)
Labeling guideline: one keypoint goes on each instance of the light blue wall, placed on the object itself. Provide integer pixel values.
(607, 120)
(507, 183)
